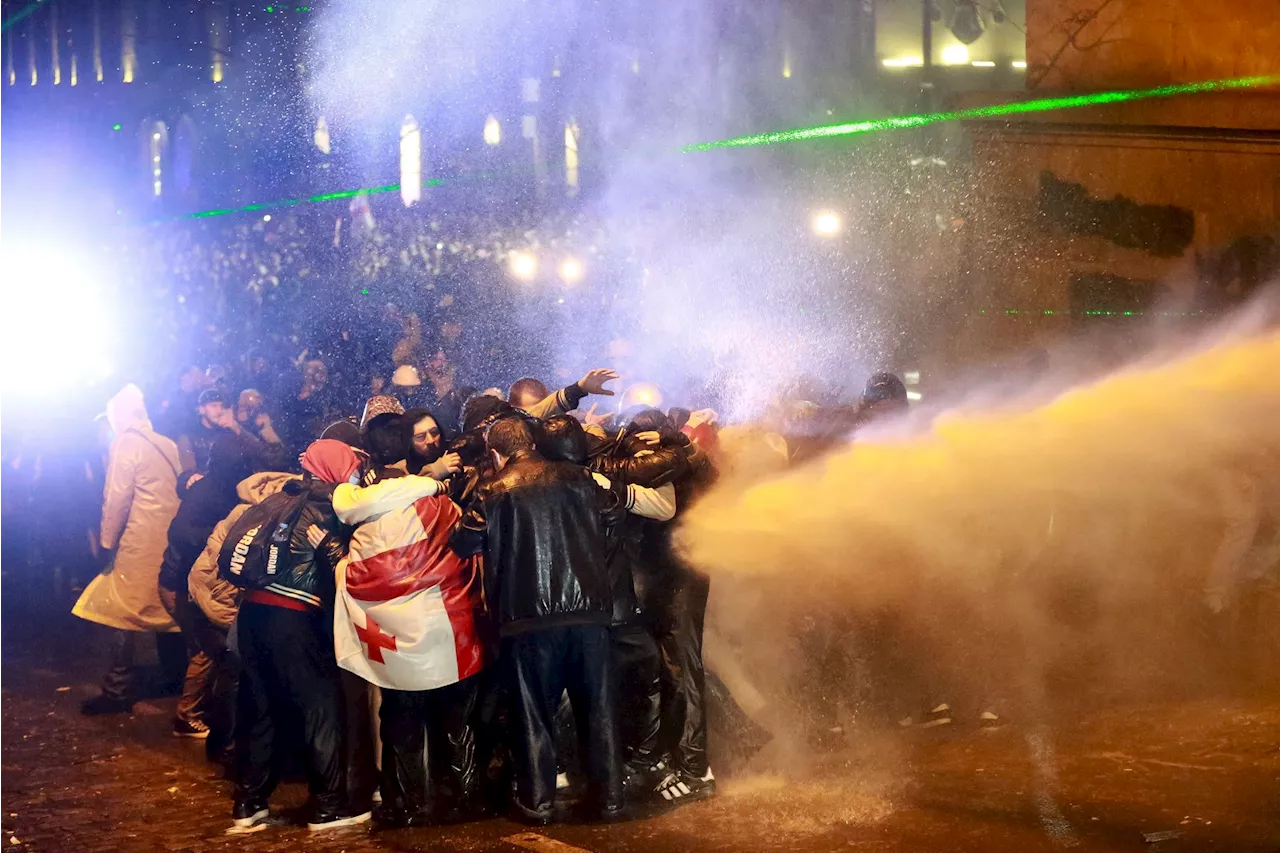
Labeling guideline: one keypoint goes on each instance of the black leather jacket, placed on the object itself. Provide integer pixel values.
(615, 458)
(541, 525)
(318, 543)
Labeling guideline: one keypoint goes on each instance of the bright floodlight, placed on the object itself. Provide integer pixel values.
(49, 284)
(524, 266)
(571, 270)
(492, 131)
(642, 394)
(955, 54)
(826, 223)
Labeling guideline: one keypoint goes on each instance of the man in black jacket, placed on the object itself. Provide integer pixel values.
(541, 525)
(286, 645)
(656, 462)
(204, 503)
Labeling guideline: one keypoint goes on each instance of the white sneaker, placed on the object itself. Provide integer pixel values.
(938, 716)
(252, 819)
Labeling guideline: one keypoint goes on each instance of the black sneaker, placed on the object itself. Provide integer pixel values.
(390, 817)
(249, 813)
(321, 820)
(194, 729)
(680, 787)
(103, 704)
(642, 773)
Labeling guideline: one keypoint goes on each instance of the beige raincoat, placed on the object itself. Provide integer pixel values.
(138, 503)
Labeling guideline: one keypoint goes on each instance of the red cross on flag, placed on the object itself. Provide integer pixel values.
(408, 608)
(371, 635)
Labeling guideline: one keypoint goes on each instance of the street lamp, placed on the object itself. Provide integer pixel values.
(523, 265)
(571, 270)
(826, 223)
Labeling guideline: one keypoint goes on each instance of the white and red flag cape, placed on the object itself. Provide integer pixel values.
(409, 610)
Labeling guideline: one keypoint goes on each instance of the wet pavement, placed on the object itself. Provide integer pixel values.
(1206, 771)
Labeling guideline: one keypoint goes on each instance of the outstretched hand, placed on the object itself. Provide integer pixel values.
(590, 418)
(594, 381)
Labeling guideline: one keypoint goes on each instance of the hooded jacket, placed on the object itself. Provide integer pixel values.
(139, 501)
(218, 599)
(204, 504)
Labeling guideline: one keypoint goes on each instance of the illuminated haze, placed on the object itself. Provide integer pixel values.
(737, 291)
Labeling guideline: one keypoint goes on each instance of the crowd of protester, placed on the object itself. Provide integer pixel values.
(488, 573)
(485, 554)
(365, 539)
(341, 285)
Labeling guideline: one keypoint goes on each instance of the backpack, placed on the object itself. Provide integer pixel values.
(256, 550)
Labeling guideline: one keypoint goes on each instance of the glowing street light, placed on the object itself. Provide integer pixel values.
(492, 131)
(524, 266)
(571, 270)
(826, 223)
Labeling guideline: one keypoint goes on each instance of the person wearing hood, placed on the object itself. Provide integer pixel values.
(218, 602)
(289, 672)
(884, 397)
(140, 500)
(205, 502)
(404, 587)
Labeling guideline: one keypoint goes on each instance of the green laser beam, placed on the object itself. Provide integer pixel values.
(1040, 105)
(270, 205)
(18, 16)
(340, 194)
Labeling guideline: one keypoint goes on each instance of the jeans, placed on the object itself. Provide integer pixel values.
(198, 634)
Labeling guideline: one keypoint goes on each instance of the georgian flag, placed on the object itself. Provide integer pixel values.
(408, 608)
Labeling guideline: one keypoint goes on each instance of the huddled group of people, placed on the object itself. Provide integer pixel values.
(487, 574)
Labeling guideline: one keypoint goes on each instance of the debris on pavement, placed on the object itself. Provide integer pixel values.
(1162, 835)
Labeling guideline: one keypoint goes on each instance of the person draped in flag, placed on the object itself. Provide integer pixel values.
(409, 619)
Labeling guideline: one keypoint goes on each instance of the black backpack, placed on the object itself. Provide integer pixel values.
(256, 550)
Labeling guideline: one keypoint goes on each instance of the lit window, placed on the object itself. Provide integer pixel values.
(128, 41)
(156, 148)
(571, 132)
(97, 45)
(321, 136)
(492, 131)
(410, 161)
(53, 45)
